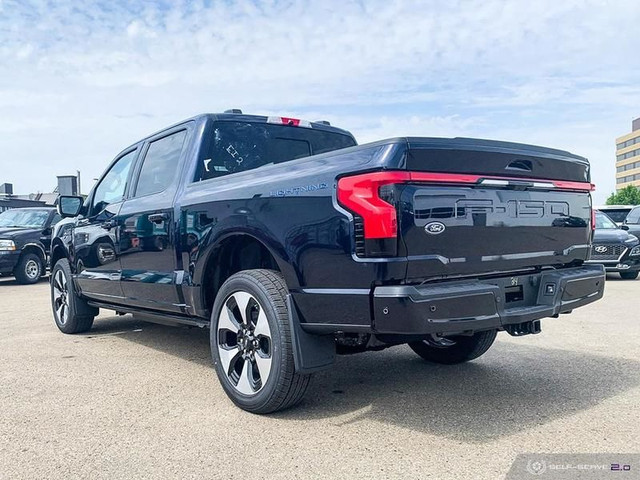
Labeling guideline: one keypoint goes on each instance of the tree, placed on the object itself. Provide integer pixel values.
(629, 195)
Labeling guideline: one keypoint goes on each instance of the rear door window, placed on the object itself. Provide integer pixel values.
(160, 165)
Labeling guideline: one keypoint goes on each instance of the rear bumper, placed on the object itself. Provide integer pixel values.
(482, 305)
(449, 308)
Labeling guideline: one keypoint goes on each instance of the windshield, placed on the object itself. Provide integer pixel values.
(240, 146)
(604, 222)
(618, 215)
(26, 218)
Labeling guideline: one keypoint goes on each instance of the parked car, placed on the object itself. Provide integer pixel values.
(25, 239)
(615, 248)
(291, 243)
(632, 221)
(617, 213)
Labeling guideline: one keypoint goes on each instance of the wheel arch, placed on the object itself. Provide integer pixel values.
(58, 252)
(235, 252)
(37, 249)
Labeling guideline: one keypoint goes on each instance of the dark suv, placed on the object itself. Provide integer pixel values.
(632, 222)
(615, 248)
(291, 244)
(25, 238)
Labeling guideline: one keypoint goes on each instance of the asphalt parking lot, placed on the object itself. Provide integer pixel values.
(139, 400)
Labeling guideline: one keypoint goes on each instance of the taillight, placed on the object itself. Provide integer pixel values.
(292, 122)
(361, 195)
(593, 219)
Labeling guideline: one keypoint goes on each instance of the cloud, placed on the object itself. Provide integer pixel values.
(80, 81)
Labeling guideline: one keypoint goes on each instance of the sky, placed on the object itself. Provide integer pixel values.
(81, 80)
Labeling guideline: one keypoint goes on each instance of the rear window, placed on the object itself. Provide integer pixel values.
(617, 214)
(240, 146)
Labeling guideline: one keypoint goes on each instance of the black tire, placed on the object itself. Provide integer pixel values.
(455, 349)
(235, 334)
(629, 275)
(70, 312)
(29, 269)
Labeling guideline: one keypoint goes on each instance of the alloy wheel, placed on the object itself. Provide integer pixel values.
(244, 343)
(61, 297)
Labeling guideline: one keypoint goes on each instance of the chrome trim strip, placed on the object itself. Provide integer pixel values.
(335, 291)
(518, 256)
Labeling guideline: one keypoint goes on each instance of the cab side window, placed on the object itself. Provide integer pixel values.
(56, 218)
(112, 186)
(160, 164)
(634, 216)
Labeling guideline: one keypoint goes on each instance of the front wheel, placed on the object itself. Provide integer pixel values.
(29, 269)
(454, 349)
(70, 312)
(629, 275)
(251, 343)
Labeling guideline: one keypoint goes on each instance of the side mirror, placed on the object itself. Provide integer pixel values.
(69, 206)
(624, 227)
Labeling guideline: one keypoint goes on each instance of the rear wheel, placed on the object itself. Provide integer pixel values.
(629, 275)
(251, 343)
(454, 349)
(29, 269)
(70, 312)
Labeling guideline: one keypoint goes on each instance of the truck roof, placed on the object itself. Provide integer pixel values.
(241, 117)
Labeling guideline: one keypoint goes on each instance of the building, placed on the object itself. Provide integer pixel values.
(7, 203)
(628, 157)
(67, 185)
(8, 200)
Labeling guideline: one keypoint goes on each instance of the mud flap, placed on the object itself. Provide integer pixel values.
(311, 353)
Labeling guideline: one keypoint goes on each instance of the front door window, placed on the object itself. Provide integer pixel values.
(112, 186)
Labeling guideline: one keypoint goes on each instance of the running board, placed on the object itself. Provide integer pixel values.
(152, 315)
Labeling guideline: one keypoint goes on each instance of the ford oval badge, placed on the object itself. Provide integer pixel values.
(434, 228)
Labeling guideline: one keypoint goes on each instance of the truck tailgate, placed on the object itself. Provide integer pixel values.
(464, 230)
(496, 208)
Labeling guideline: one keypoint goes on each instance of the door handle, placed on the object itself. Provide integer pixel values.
(158, 217)
(109, 224)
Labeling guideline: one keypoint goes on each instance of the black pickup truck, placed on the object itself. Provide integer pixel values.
(293, 244)
(25, 240)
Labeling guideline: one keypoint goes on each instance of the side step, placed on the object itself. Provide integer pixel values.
(151, 315)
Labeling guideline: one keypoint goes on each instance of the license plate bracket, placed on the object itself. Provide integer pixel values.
(513, 294)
